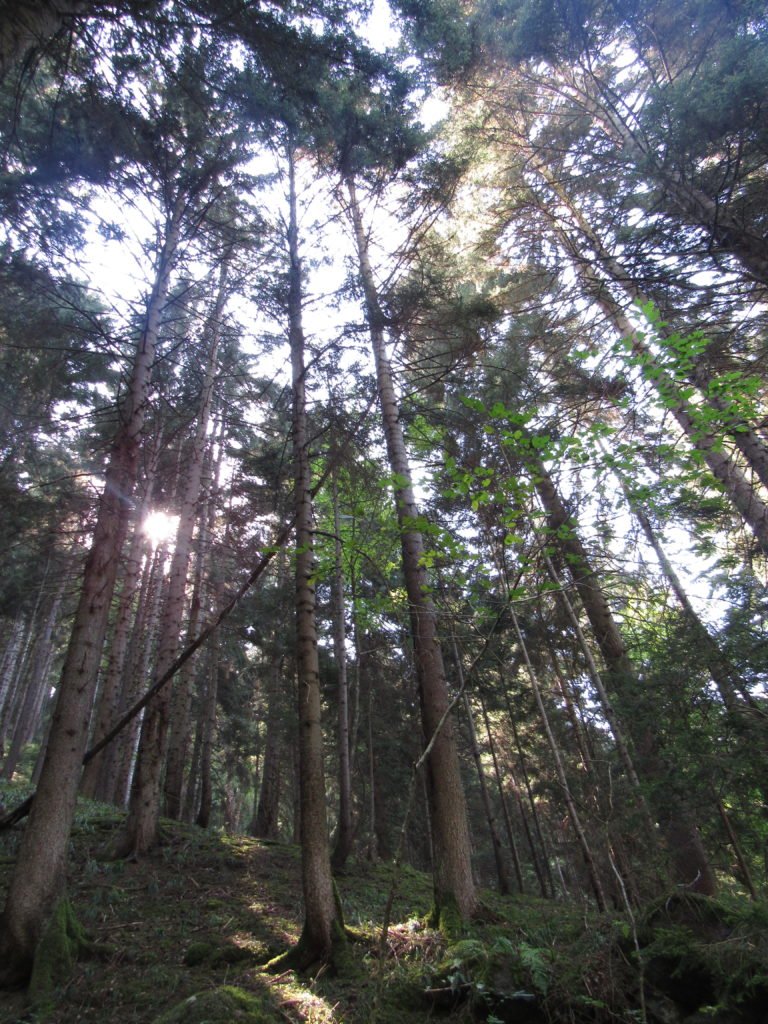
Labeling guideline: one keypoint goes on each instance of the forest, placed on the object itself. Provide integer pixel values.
(384, 488)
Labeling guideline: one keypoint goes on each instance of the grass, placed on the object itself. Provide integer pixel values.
(203, 914)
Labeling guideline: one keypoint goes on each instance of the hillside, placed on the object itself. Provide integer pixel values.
(201, 916)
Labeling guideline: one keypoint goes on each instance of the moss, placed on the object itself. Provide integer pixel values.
(197, 953)
(55, 955)
(450, 922)
(305, 954)
(217, 955)
(225, 1005)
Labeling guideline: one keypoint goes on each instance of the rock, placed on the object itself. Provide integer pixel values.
(226, 1005)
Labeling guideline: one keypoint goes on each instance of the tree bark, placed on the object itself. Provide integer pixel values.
(265, 823)
(115, 785)
(181, 696)
(37, 682)
(208, 714)
(573, 814)
(454, 885)
(39, 876)
(109, 696)
(343, 845)
(319, 932)
(735, 483)
(505, 808)
(690, 864)
(144, 804)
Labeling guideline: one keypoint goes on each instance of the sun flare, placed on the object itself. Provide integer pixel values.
(159, 527)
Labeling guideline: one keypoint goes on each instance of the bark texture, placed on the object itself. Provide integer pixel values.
(454, 885)
(38, 879)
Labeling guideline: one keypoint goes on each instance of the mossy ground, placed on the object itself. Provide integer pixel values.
(204, 914)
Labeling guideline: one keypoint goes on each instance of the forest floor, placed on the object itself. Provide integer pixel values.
(208, 910)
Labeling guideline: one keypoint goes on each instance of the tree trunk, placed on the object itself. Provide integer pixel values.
(320, 913)
(454, 885)
(265, 823)
(521, 810)
(144, 805)
(37, 682)
(38, 879)
(109, 697)
(9, 672)
(27, 25)
(181, 695)
(343, 846)
(115, 783)
(739, 489)
(684, 200)
(690, 863)
(208, 713)
(502, 876)
(531, 799)
(562, 777)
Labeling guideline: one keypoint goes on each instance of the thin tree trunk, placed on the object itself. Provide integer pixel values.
(749, 443)
(573, 814)
(343, 846)
(746, 875)
(144, 804)
(725, 676)
(37, 683)
(181, 697)
(192, 792)
(490, 815)
(505, 808)
(114, 784)
(38, 880)
(693, 206)
(529, 794)
(208, 714)
(501, 869)
(689, 860)
(373, 835)
(739, 489)
(265, 823)
(109, 696)
(8, 672)
(454, 885)
(321, 924)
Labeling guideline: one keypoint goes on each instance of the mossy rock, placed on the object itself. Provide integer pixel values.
(198, 953)
(223, 955)
(225, 1005)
